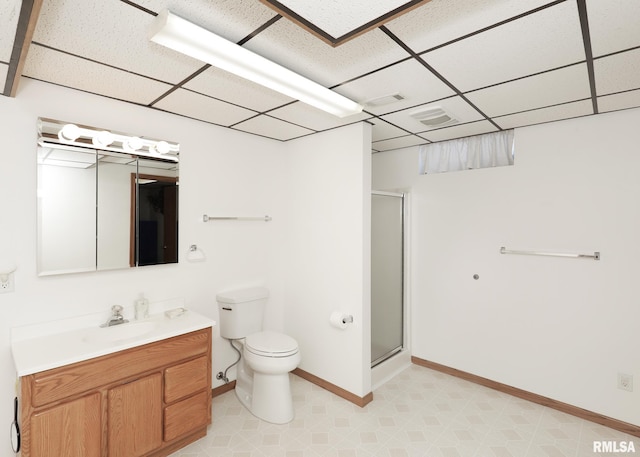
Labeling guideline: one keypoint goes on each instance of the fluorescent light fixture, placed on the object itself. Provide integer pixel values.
(187, 38)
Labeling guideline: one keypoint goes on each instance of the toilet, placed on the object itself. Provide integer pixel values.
(262, 380)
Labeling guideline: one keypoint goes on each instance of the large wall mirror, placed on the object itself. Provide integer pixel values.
(106, 200)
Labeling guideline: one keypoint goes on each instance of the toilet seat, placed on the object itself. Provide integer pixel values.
(271, 344)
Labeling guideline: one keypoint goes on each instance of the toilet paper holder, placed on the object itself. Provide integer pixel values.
(340, 320)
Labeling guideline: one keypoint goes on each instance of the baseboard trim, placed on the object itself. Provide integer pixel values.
(535, 398)
(339, 391)
(223, 389)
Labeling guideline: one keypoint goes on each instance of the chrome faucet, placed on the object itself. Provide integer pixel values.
(116, 318)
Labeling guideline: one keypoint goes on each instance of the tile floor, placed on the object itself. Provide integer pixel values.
(420, 412)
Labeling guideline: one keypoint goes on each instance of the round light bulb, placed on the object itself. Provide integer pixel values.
(162, 147)
(132, 144)
(102, 139)
(69, 132)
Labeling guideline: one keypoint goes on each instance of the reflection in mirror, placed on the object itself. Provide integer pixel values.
(156, 200)
(66, 209)
(105, 200)
(113, 212)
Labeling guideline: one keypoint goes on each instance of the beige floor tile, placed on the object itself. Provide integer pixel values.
(419, 413)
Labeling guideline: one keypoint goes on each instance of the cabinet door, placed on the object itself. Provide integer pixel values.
(72, 429)
(135, 417)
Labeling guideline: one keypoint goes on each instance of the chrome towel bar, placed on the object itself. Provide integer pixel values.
(206, 218)
(594, 256)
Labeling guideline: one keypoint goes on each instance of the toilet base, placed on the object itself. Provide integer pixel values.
(266, 396)
(271, 399)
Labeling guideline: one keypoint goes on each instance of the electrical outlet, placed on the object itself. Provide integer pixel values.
(7, 286)
(625, 381)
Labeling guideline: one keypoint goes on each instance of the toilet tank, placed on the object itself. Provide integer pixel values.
(241, 311)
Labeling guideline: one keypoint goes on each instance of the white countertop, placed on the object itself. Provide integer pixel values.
(40, 347)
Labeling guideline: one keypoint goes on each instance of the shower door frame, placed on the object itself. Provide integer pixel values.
(404, 196)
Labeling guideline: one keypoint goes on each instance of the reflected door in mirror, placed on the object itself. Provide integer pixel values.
(156, 201)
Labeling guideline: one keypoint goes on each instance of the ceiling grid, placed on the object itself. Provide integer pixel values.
(490, 64)
(586, 38)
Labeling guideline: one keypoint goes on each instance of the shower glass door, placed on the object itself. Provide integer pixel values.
(387, 275)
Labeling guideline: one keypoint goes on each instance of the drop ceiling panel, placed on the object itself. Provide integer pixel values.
(617, 72)
(272, 128)
(454, 106)
(114, 33)
(294, 48)
(231, 19)
(313, 118)
(513, 50)
(553, 113)
(409, 78)
(9, 14)
(613, 25)
(551, 88)
(233, 89)
(339, 18)
(197, 106)
(69, 71)
(459, 131)
(397, 143)
(441, 21)
(382, 130)
(619, 101)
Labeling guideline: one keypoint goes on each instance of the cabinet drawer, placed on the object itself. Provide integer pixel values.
(63, 382)
(187, 415)
(185, 379)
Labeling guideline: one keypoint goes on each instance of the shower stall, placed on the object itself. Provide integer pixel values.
(387, 275)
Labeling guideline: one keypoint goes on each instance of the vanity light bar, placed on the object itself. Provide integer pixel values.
(103, 139)
(190, 39)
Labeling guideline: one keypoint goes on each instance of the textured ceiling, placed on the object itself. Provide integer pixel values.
(337, 21)
(489, 64)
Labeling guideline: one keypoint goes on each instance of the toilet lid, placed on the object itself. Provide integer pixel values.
(271, 344)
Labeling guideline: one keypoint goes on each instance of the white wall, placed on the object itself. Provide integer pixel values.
(328, 266)
(320, 183)
(221, 173)
(561, 328)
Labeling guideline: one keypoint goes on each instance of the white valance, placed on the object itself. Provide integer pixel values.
(481, 151)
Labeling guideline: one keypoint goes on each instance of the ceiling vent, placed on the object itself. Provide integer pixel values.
(434, 117)
(384, 100)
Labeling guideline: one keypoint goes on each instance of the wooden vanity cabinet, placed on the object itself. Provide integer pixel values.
(148, 401)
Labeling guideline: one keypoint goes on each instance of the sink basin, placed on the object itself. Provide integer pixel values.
(120, 332)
